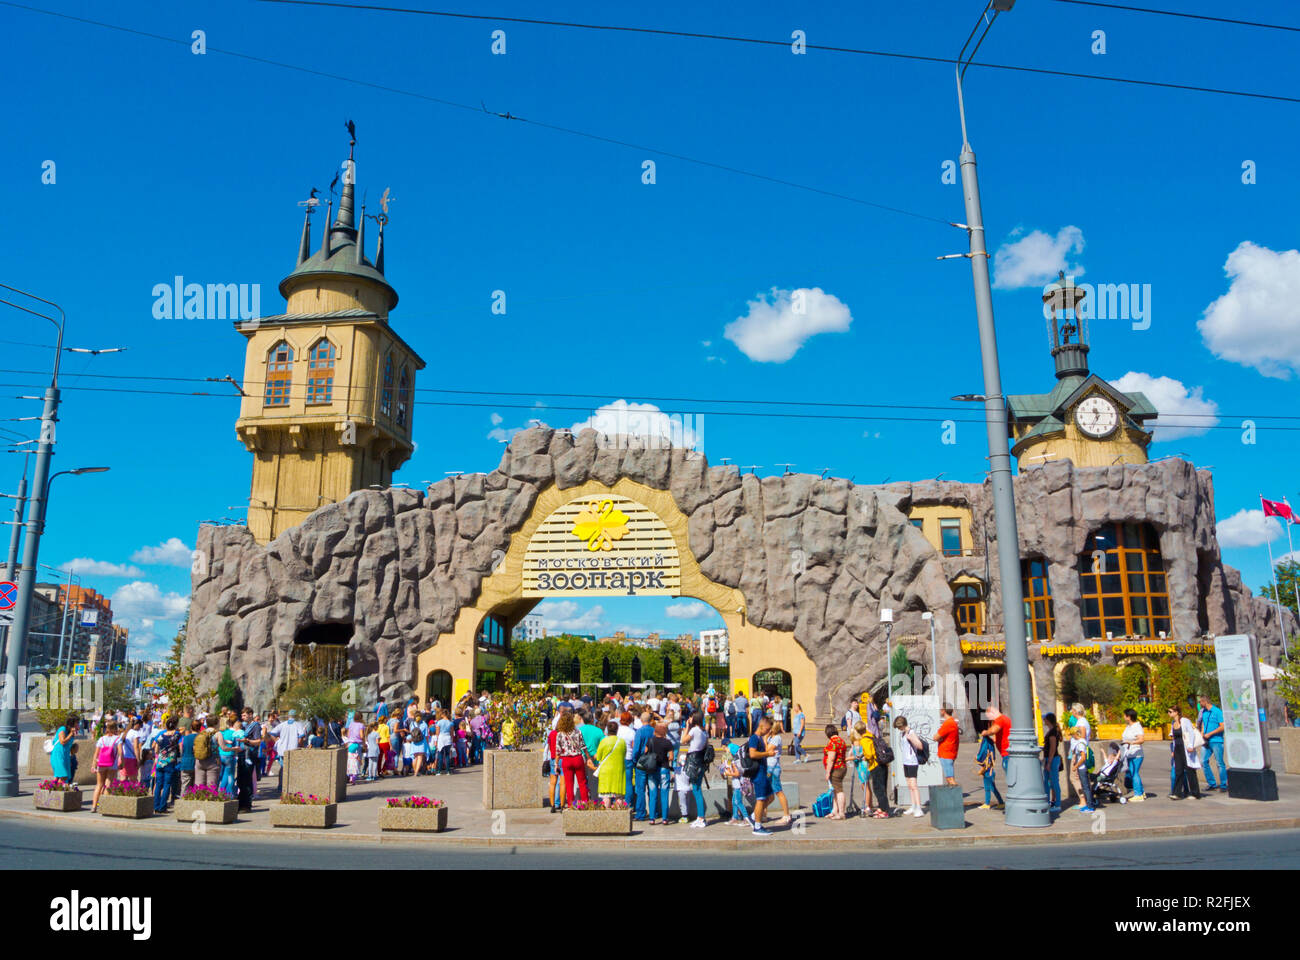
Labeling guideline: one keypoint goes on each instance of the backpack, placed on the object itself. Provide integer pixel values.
(417, 735)
(884, 752)
(922, 752)
(203, 745)
(707, 755)
(749, 767)
(713, 705)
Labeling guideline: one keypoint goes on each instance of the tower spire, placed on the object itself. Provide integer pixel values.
(361, 236)
(325, 235)
(304, 248)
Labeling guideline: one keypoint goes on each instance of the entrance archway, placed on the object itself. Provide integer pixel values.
(773, 681)
(437, 686)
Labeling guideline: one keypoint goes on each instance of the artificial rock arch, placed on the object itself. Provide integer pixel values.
(812, 560)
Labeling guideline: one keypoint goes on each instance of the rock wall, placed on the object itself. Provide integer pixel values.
(816, 557)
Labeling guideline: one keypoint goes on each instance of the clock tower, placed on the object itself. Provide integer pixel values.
(1083, 419)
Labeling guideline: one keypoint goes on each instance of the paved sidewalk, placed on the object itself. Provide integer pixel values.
(470, 823)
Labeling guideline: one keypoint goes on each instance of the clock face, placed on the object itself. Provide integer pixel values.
(1096, 416)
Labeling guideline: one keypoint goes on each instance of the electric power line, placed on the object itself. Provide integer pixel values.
(1176, 13)
(347, 389)
(588, 410)
(858, 51)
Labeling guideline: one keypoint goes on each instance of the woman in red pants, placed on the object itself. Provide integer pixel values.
(572, 751)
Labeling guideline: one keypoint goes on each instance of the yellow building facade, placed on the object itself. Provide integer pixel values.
(328, 386)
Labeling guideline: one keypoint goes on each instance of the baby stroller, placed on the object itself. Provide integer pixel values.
(1105, 788)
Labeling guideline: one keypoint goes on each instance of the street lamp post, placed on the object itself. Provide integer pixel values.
(1026, 798)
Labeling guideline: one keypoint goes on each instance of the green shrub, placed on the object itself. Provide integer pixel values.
(1173, 687)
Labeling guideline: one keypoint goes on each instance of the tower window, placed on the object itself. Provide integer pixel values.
(320, 372)
(386, 395)
(403, 397)
(969, 608)
(279, 375)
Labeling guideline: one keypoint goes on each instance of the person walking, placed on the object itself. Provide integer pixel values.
(910, 747)
(757, 751)
(742, 716)
(1210, 722)
(1186, 756)
(1134, 736)
(774, 743)
(640, 741)
(882, 755)
(1079, 766)
(1052, 762)
(185, 763)
(835, 763)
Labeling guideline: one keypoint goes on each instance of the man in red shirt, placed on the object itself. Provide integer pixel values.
(999, 731)
(946, 739)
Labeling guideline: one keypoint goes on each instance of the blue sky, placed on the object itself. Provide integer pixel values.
(169, 163)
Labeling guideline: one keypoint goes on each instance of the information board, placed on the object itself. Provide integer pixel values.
(1239, 698)
(923, 717)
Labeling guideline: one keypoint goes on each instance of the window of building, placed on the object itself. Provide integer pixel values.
(279, 375)
(918, 523)
(386, 395)
(492, 636)
(1122, 583)
(320, 372)
(950, 536)
(1039, 617)
(969, 608)
(403, 396)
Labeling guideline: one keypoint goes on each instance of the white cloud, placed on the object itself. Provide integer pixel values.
(773, 331)
(138, 601)
(171, 553)
(1183, 412)
(1036, 258)
(567, 616)
(691, 610)
(1248, 528)
(1257, 322)
(621, 418)
(100, 568)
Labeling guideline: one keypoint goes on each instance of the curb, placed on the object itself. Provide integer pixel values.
(739, 843)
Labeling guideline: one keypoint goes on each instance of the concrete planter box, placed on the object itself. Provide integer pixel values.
(209, 811)
(429, 820)
(1154, 733)
(323, 773)
(319, 815)
(34, 759)
(61, 800)
(586, 823)
(133, 808)
(510, 779)
(1290, 737)
(1109, 731)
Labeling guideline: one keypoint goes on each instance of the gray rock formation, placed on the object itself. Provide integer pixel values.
(817, 557)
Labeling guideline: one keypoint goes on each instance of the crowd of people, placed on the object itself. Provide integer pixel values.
(642, 750)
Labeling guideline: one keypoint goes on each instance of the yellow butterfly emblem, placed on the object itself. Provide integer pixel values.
(600, 527)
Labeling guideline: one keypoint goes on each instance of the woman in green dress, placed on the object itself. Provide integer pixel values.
(610, 773)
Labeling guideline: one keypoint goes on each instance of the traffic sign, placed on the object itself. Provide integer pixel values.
(78, 669)
(8, 595)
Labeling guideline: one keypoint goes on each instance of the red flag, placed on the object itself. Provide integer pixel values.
(1274, 509)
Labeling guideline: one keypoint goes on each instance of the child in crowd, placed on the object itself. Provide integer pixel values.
(372, 751)
(731, 774)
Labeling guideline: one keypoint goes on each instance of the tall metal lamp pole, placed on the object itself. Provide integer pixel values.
(1026, 798)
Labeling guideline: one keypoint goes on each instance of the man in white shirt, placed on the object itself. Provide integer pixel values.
(287, 734)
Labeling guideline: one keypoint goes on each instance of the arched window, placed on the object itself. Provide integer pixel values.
(968, 608)
(320, 372)
(386, 395)
(279, 375)
(1039, 617)
(403, 396)
(1122, 583)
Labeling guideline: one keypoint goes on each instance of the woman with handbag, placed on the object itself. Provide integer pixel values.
(611, 782)
(1187, 755)
(657, 764)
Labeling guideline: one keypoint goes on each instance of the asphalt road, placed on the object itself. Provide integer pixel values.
(30, 846)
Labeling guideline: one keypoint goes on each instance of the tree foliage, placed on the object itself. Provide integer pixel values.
(314, 697)
(1173, 687)
(180, 684)
(1288, 574)
(1287, 685)
(564, 648)
(228, 694)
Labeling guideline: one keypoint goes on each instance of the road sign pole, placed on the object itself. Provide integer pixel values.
(16, 645)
